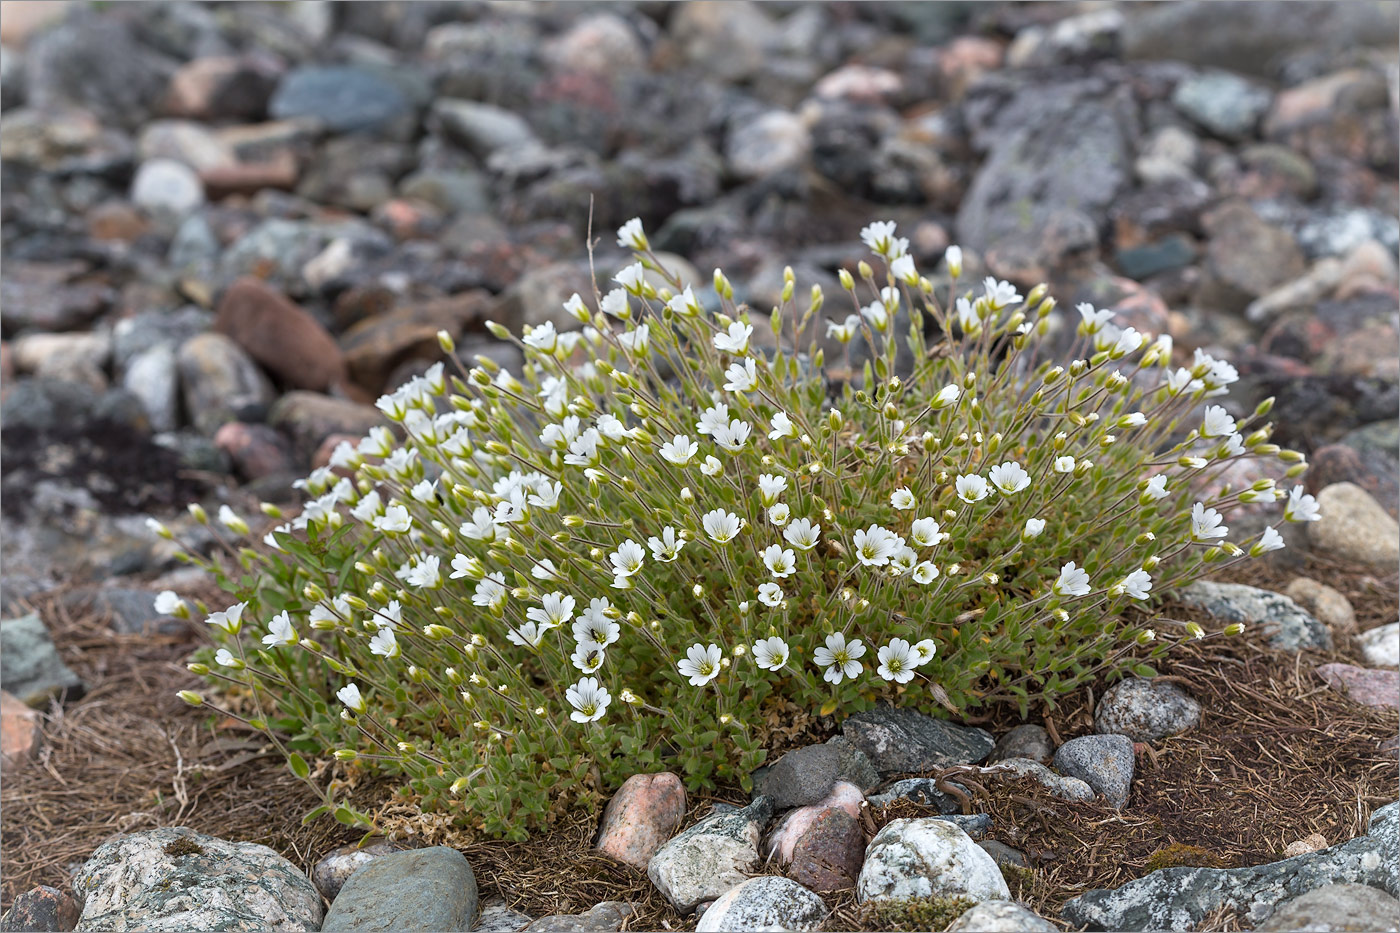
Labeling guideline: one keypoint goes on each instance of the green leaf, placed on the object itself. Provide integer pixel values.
(346, 816)
(299, 766)
(320, 811)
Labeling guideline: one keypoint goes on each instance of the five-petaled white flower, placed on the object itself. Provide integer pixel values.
(781, 562)
(1073, 581)
(802, 534)
(527, 634)
(924, 532)
(615, 303)
(1301, 507)
(229, 620)
(837, 658)
(350, 696)
(632, 278)
(587, 657)
(167, 603)
(1092, 321)
(594, 626)
(770, 653)
(490, 592)
(1034, 526)
(732, 438)
(1206, 523)
(1270, 540)
(1137, 584)
(636, 340)
(945, 397)
(712, 466)
(971, 488)
(735, 339)
(701, 664)
(778, 513)
(631, 236)
(925, 572)
(903, 499)
(741, 377)
(384, 643)
(224, 658)
(771, 486)
(711, 419)
(925, 650)
(770, 594)
(667, 547)
(542, 337)
(395, 520)
(721, 526)
(879, 236)
(903, 270)
(589, 700)
(426, 574)
(627, 559)
(1156, 487)
(897, 661)
(999, 294)
(845, 331)
(553, 611)
(954, 258)
(280, 631)
(1064, 464)
(782, 427)
(875, 545)
(1009, 477)
(1217, 422)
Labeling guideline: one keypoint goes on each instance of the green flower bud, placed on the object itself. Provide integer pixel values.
(190, 697)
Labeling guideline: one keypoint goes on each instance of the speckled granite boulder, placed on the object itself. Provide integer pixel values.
(175, 880)
(1001, 917)
(414, 890)
(1290, 627)
(705, 861)
(768, 902)
(1146, 710)
(907, 740)
(928, 858)
(1337, 908)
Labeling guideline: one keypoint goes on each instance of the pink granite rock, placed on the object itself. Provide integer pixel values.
(782, 841)
(1365, 686)
(829, 855)
(643, 814)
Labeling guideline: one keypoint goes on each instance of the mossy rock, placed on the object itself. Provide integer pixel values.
(914, 914)
(1181, 855)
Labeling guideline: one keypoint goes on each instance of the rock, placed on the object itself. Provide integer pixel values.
(1329, 606)
(276, 251)
(770, 143)
(1027, 740)
(29, 17)
(222, 87)
(1381, 645)
(1001, 917)
(376, 345)
(167, 187)
(30, 667)
(1004, 855)
(708, 859)
(331, 872)
(56, 355)
(129, 611)
(281, 336)
(764, 903)
(309, 418)
(1180, 898)
(50, 296)
(1293, 629)
(343, 98)
(806, 775)
(602, 44)
(1104, 762)
(1354, 527)
(1316, 100)
(1367, 687)
(923, 791)
(859, 83)
(175, 879)
(725, 39)
(641, 816)
(153, 376)
(1066, 788)
(496, 917)
(255, 450)
(606, 917)
(1078, 38)
(927, 858)
(1222, 103)
(1146, 710)
(415, 889)
(829, 853)
(483, 128)
(781, 841)
(1315, 842)
(219, 381)
(1170, 253)
(1367, 457)
(539, 294)
(96, 63)
(1335, 908)
(41, 908)
(20, 737)
(1247, 256)
(907, 740)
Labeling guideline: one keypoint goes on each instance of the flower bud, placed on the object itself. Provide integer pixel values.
(1151, 562)
(446, 342)
(345, 754)
(1234, 628)
(1194, 630)
(847, 282)
(197, 511)
(190, 697)
(313, 593)
(355, 602)
(194, 667)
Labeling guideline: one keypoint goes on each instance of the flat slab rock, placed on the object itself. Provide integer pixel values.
(417, 889)
(1291, 627)
(907, 740)
(175, 880)
(1179, 898)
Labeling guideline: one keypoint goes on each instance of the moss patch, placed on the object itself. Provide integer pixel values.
(1179, 854)
(914, 914)
(183, 846)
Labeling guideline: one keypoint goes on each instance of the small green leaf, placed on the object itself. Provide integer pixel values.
(320, 811)
(299, 766)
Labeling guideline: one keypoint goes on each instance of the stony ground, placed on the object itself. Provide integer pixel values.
(227, 228)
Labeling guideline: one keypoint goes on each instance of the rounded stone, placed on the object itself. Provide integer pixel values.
(1381, 645)
(1104, 762)
(641, 816)
(165, 186)
(829, 854)
(769, 902)
(928, 858)
(1001, 917)
(775, 141)
(1146, 710)
(1027, 740)
(413, 890)
(1354, 527)
(1335, 908)
(330, 873)
(1329, 606)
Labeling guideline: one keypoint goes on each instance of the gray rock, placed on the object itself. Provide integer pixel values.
(1381, 645)
(30, 667)
(483, 128)
(1003, 854)
(308, 418)
(1027, 740)
(705, 861)
(95, 62)
(167, 188)
(770, 143)
(1146, 710)
(1355, 527)
(769, 902)
(1292, 629)
(416, 889)
(920, 790)
(606, 917)
(219, 380)
(725, 39)
(1001, 917)
(343, 98)
(330, 873)
(132, 336)
(1066, 788)
(50, 296)
(928, 858)
(1104, 762)
(1335, 908)
(806, 775)
(538, 296)
(132, 612)
(907, 740)
(496, 917)
(153, 376)
(174, 880)
(275, 250)
(1222, 103)
(1179, 898)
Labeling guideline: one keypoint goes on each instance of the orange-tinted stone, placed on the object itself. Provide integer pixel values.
(643, 814)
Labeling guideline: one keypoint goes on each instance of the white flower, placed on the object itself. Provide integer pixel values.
(426, 574)
(544, 569)
(770, 487)
(1270, 540)
(845, 331)
(999, 294)
(224, 658)
(482, 527)
(954, 258)
(632, 278)
(778, 513)
(721, 526)
(1092, 321)
(1214, 374)
(1073, 581)
(771, 653)
(1064, 464)
(877, 314)
(1034, 526)
(583, 450)
(780, 561)
(390, 615)
(1300, 507)
(782, 427)
(384, 643)
(627, 559)
(350, 696)
(733, 437)
(1136, 584)
(1268, 493)
(589, 700)
(1156, 487)
(903, 499)
(554, 610)
(546, 495)
(636, 340)
(903, 561)
(924, 573)
(587, 657)
(527, 634)
(770, 594)
(879, 236)
(1009, 477)
(1233, 446)
(679, 450)
(685, 304)
(368, 507)
(925, 650)
(924, 532)
(425, 491)
(230, 520)
(875, 545)
(946, 396)
(631, 236)
(167, 603)
(1182, 381)
(667, 547)
(593, 625)
(903, 270)
(229, 620)
(542, 337)
(837, 658)
(1217, 422)
(712, 419)
(701, 664)
(615, 303)
(741, 377)
(1133, 419)
(897, 661)
(1128, 341)
(395, 520)
(280, 631)
(735, 339)
(971, 488)
(802, 534)
(1205, 523)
